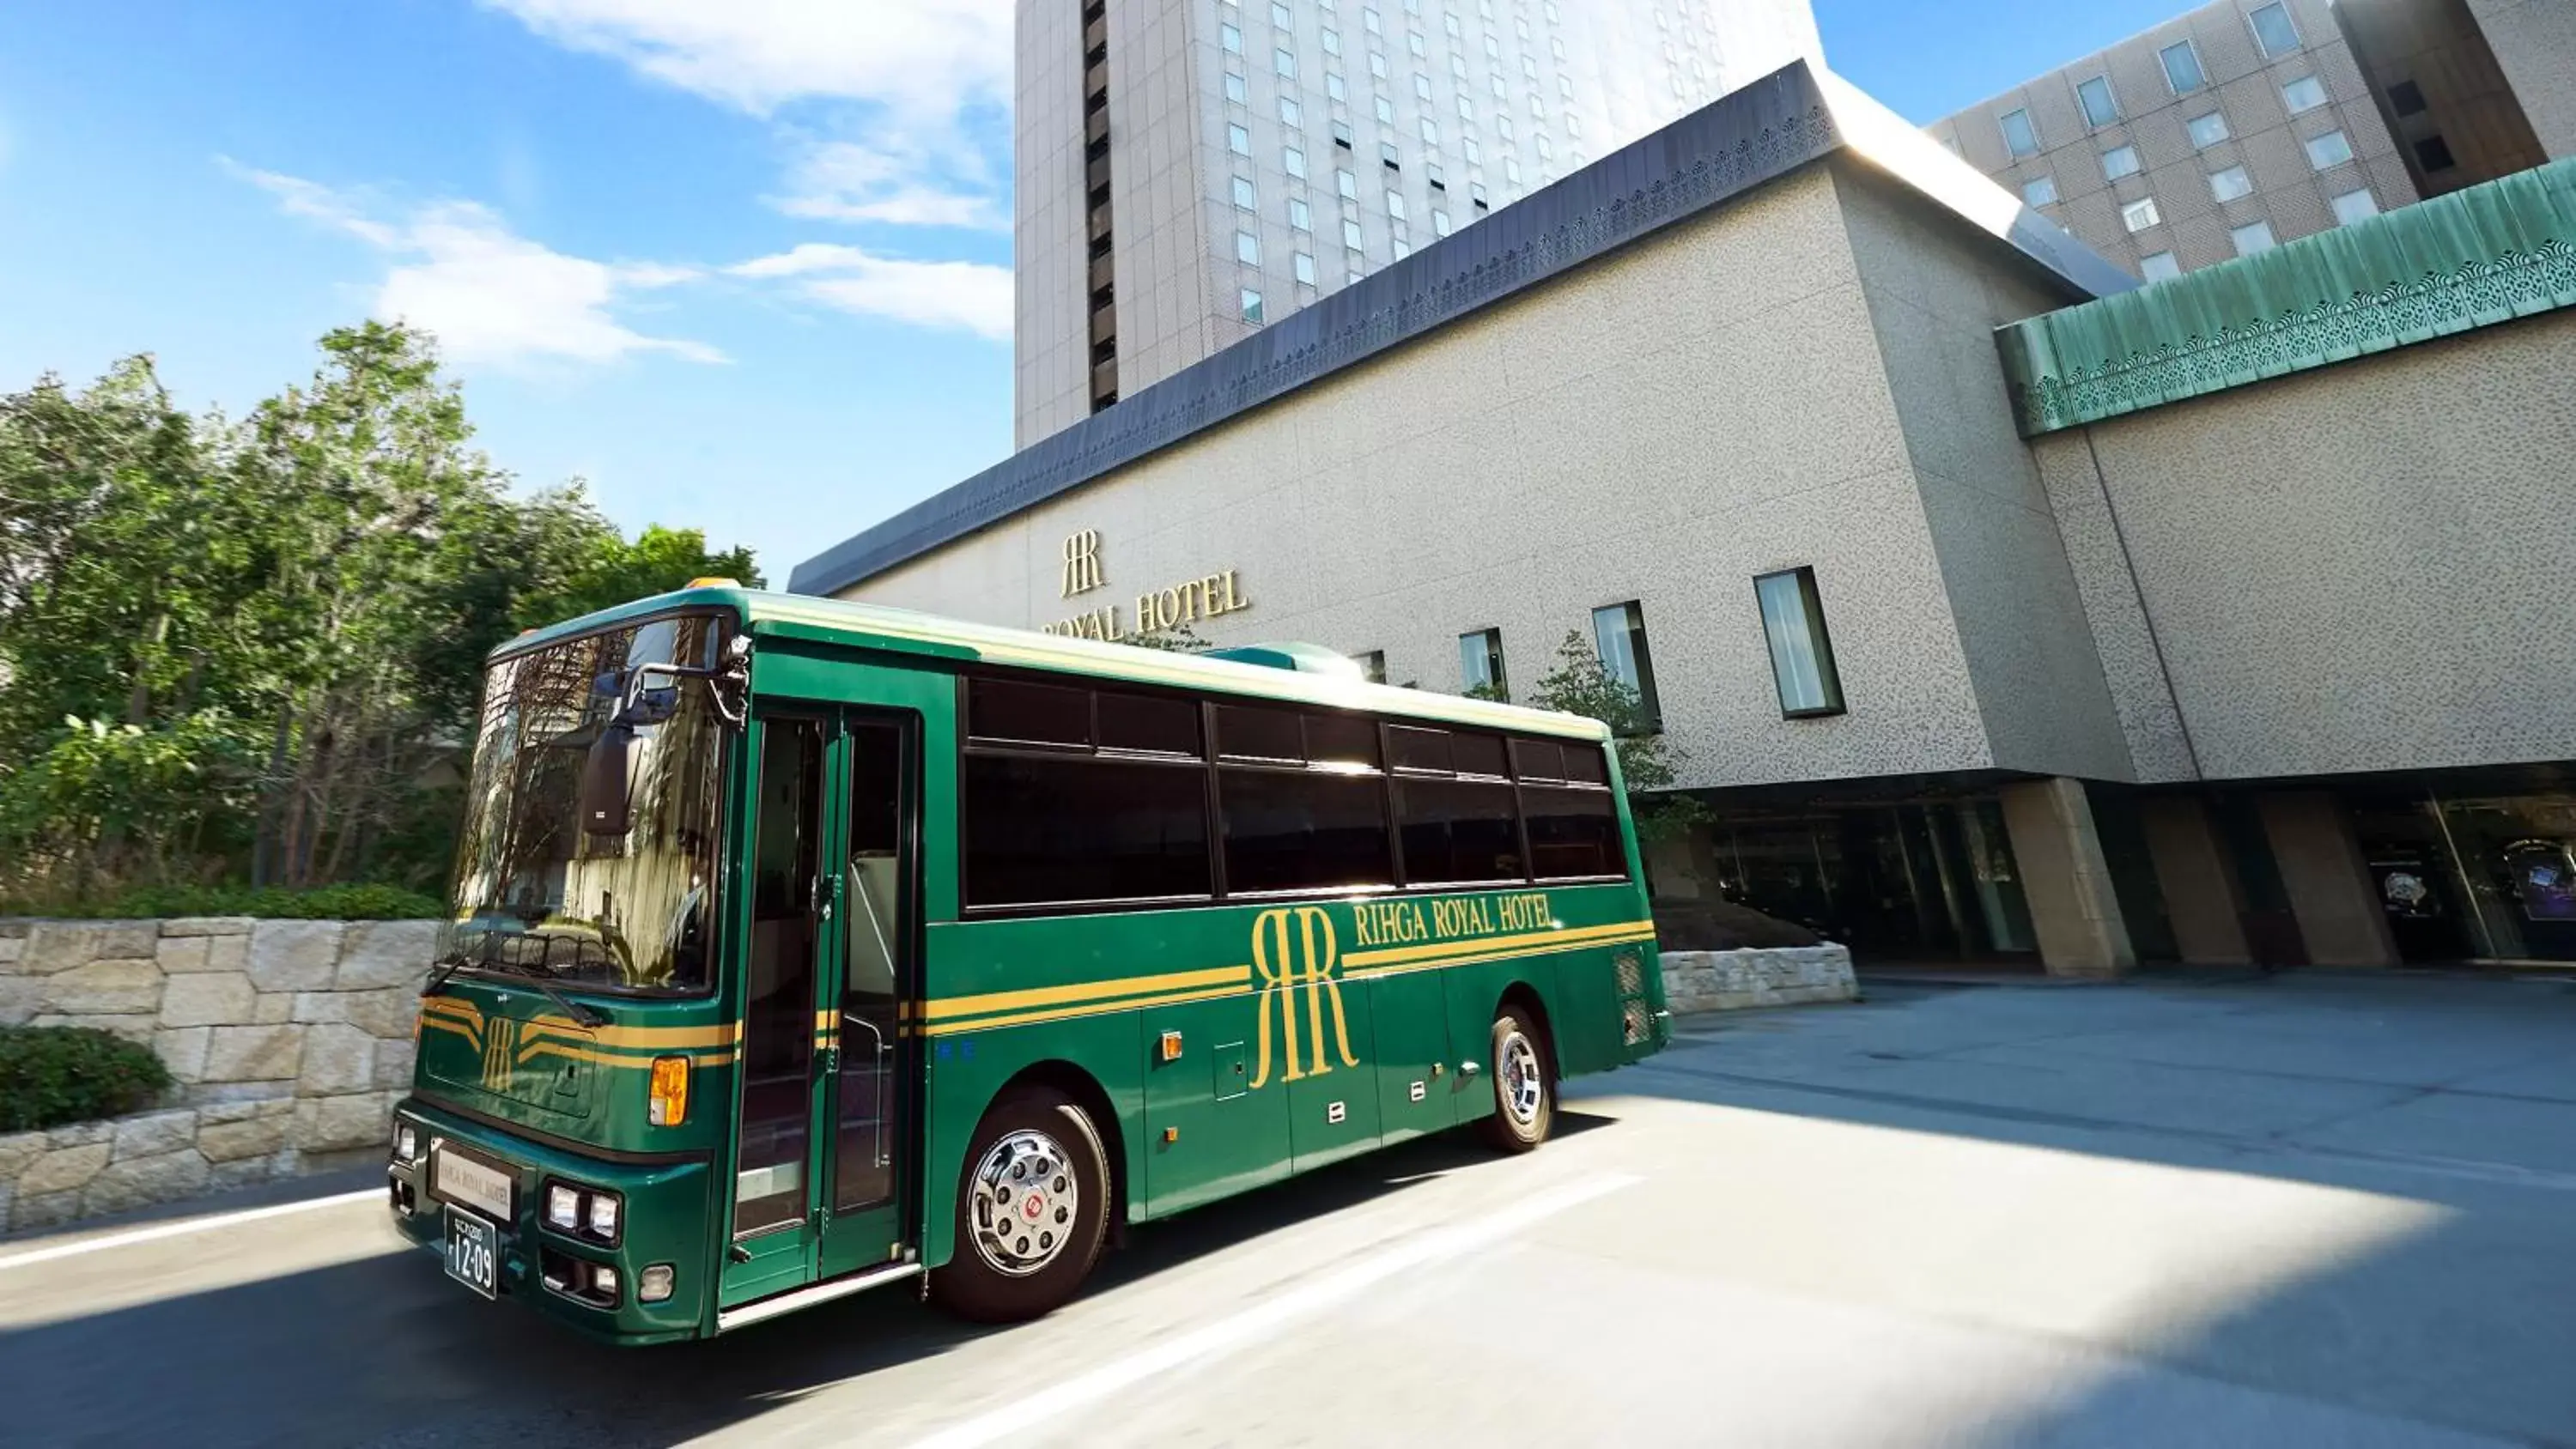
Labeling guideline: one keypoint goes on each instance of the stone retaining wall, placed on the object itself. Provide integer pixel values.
(1736, 980)
(290, 1041)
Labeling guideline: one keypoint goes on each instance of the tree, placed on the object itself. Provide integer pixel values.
(1649, 762)
(249, 650)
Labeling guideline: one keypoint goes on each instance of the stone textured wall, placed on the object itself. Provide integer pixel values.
(289, 1041)
(1737, 980)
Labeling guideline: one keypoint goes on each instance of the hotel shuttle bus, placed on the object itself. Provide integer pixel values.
(801, 947)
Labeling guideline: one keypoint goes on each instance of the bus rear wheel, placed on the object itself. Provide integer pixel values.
(1524, 1087)
(1032, 1210)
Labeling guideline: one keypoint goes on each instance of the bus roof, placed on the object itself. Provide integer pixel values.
(906, 631)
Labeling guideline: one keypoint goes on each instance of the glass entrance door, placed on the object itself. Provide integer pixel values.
(867, 1061)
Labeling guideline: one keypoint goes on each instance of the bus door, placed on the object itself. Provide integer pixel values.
(827, 966)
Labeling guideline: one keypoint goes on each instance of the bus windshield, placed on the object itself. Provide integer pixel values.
(537, 895)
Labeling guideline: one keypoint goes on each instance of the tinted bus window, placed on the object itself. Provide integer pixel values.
(1458, 831)
(1257, 732)
(1041, 831)
(1476, 754)
(1584, 765)
(1538, 760)
(1040, 714)
(1409, 748)
(1287, 831)
(1341, 739)
(1573, 832)
(1149, 723)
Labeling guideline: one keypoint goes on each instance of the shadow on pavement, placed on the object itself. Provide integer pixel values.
(2455, 1102)
(384, 1350)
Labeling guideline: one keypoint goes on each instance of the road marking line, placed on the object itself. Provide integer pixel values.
(182, 1229)
(1227, 1335)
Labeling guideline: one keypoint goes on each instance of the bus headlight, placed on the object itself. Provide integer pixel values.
(603, 1215)
(670, 1104)
(653, 1285)
(563, 1207)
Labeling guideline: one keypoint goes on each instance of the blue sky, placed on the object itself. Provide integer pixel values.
(743, 264)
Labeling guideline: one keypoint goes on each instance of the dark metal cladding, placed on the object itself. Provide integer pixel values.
(1754, 135)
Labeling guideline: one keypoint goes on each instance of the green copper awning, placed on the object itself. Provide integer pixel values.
(2472, 259)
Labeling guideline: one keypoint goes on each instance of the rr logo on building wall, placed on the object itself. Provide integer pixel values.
(1082, 563)
(1294, 958)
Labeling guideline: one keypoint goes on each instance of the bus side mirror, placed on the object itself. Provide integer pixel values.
(607, 776)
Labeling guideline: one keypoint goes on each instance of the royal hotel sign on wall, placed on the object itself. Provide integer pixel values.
(1155, 611)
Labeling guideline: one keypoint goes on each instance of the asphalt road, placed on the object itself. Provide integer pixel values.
(2311, 1211)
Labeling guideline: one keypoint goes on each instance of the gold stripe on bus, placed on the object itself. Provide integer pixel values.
(1479, 958)
(608, 1059)
(1068, 1013)
(636, 1038)
(472, 1037)
(1002, 1001)
(1362, 960)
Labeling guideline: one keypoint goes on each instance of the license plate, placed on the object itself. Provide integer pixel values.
(473, 1248)
(462, 1180)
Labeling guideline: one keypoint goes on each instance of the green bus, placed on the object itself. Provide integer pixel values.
(801, 947)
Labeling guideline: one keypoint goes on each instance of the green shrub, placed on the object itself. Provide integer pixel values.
(53, 1076)
(324, 903)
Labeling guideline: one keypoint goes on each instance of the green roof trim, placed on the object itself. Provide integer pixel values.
(2475, 258)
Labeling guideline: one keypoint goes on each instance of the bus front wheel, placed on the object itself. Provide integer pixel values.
(1032, 1210)
(1524, 1088)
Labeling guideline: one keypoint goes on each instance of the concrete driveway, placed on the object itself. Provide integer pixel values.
(2308, 1209)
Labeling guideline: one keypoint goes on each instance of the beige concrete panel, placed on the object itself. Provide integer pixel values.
(2340, 917)
(2123, 642)
(2535, 43)
(2365, 567)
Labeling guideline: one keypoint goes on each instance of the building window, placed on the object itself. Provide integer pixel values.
(1247, 249)
(2355, 206)
(2019, 138)
(1619, 634)
(1346, 183)
(1439, 222)
(1802, 654)
(1234, 89)
(1480, 664)
(1252, 306)
(2406, 98)
(1333, 86)
(1280, 17)
(2251, 238)
(1290, 113)
(1238, 140)
(1332, 41)
(2040, 191)
(2207, 131)
(1231, 38)
(1244, 196)
(1300, 215)
(1285, 63)
(2099, 107)
(2140, 214)
(2230, 184)
(1305, 266)
(1395, 205)
(1342, 134)
(2434, 153)
(2119, 161)
(2159, 267)
(1372, 665)
(1385, 111)
(1350, 234)
(2273, 30)
(2182, 68)
(1293, 159)
(2329, 150)
(2303, 95)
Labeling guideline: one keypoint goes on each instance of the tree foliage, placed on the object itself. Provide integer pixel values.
(249, 651)
(1649, 762)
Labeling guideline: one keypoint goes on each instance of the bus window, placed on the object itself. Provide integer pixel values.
(1258, 732)
(1341, 741)
(1149, 724)
(1538, 759)
(1573, 833)
(1292, 830)
(1016, 712)
(1458, 831)
(1472, 754)
(1043, 831)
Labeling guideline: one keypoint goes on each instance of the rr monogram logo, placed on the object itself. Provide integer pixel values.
(1294, 956)
(500, 1045)
(1082, 563)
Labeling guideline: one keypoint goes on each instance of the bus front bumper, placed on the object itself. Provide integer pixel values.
(608, 1284)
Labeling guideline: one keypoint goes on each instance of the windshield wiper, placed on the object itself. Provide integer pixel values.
(580, 1011)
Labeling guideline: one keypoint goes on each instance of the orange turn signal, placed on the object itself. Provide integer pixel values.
(670, 1091)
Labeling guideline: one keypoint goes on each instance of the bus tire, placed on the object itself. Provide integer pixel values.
(1524, 1087)
(1032, 1210)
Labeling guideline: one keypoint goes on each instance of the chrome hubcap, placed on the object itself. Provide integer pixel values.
(1522, 1081)
(1025, 1199)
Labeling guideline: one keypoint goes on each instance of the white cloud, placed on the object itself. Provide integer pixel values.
(489, 294)
(924, 58)
(857, 181)
(972, 296)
